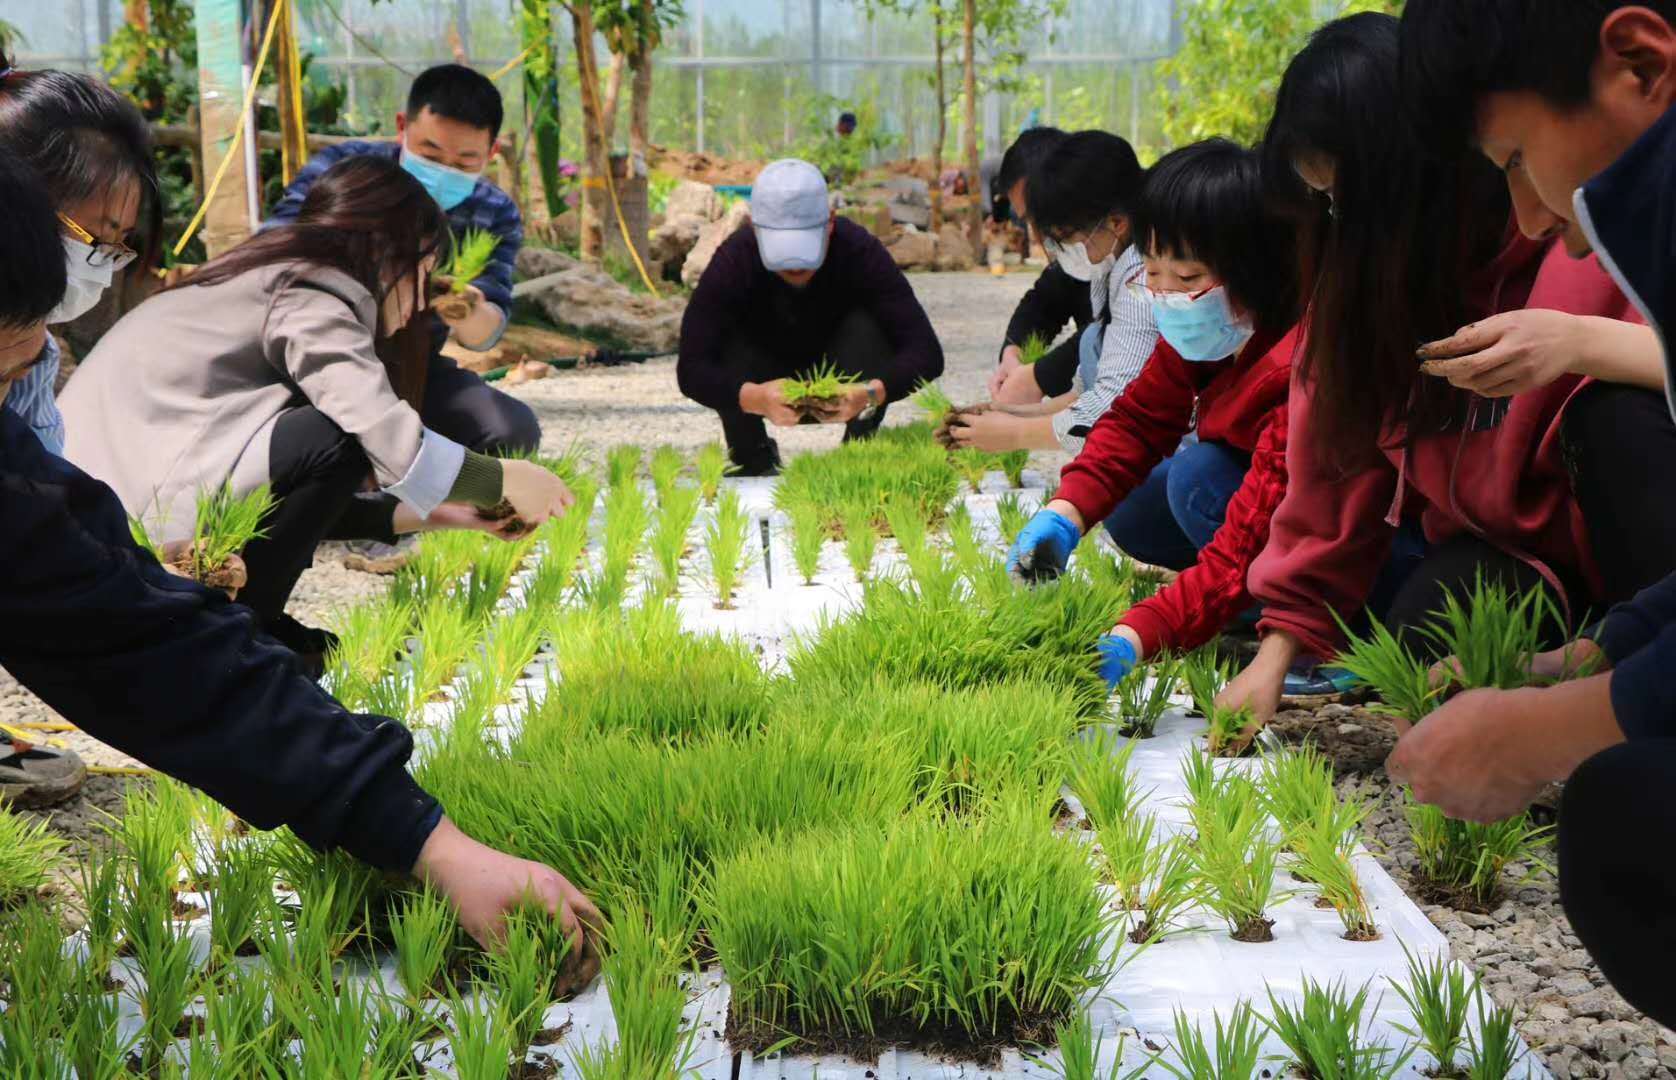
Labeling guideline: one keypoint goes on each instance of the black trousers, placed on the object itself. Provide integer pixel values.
(460, 405)
(1055, 371)
(1617, 880)
(858, 347)
(1619, 445)
(315, 471)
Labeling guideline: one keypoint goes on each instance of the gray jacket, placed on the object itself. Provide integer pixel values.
(182, 394)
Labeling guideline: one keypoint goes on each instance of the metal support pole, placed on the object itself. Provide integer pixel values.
(815, 68)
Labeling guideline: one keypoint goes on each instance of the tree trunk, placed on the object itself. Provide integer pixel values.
(595, 201)
(640, 108)
(942, 122)
(613, 94)
(969, 133)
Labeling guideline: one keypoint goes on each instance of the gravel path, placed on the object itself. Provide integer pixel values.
(1524, 949)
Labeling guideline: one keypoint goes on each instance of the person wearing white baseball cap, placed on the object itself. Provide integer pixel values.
(800, 287)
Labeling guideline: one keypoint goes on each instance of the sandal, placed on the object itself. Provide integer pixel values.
(33, 776)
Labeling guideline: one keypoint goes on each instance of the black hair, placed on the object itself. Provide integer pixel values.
(1206, 202)
(1387, 269)
(1023, 155)
(83, 139)
(32, 274)
(847, 118)
(459, 93)
(1456, 51)
(1081, 182)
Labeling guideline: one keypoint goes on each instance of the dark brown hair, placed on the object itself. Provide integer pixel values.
(368, 218)
(1389, 267)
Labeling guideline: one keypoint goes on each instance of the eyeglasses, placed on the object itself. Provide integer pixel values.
(105, 253)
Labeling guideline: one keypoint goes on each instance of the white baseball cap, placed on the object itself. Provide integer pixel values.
(790, 213)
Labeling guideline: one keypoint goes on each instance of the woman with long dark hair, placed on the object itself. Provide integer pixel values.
(263, 368)
(92, 150)
(1425, 454)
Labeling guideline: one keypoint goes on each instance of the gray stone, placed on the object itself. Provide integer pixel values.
(954, 249)
(691, 199)
(534, 262)
(709, 239)
(593, 302)
(914, 250)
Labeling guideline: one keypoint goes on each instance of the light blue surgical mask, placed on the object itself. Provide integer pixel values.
(449, 187)
(1201, 328)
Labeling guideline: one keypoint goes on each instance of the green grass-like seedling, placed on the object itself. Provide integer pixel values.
(1033, 349)
(1325, 1034)
(860, 540)
(936, 404)
(1236, 860)
(241, 901)
(1462, 862)
(820, 384)
(1491, 636)
(225, 524)
(1172, 891)
(28, 854)
(1079, 1053)
(725, 539)
(622, 465)
(808, 537)
(711, 466)
(1402, 680)
(1233, 1052)
(480, 1039)
(1012, 515)
(1295, 784)
(1227, 730)
(1143, 697)
(642, 979)
(525, 970)
(670, 536)
(473, 251)
(1495, 1049)
(896, 463)
(423, 928)
(1205, 673)
(664, 468)
(1324, 847)
(1439, 994)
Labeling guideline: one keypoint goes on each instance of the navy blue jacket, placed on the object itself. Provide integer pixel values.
(178, 677)
(1629, 214)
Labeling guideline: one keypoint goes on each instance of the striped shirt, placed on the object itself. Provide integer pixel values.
(32, 398)
(1130, 337)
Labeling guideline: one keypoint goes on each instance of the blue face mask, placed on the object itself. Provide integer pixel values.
(449, 187)
(1201, 328)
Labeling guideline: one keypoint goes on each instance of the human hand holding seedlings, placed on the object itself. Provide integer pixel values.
(1012, 357)
(1043, 548)
(1580, 657)
(481, 519)
(485, 885)
(992, 429)
(852, 400)
(232, 576)
(768, 400)
(534, 493)
(1258, 687)
(1507, 354)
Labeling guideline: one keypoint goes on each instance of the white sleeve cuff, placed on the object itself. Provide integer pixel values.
(431, 476)
(494, 338)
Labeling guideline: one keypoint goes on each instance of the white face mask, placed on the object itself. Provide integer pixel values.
(1074, 260)
(87, 282)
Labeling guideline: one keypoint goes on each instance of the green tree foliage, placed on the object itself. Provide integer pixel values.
(1233, 54)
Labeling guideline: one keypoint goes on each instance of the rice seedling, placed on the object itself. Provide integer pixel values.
(1079, 1053)
(1324, 847)
(155, 833)
(971, 558)
(1325, 1034)
(1461, 863)
(472, 252)
(99, 882)
(642, 979)
(622, 466)
(241, 902)
(28, 854)
(1402, 680)
(1439, 994)
(371, 639)
(819, 386)
(1013, 463)
(1491, 636)
(1234, 1052)
(423, 928)
(169, 981)
(887, 947)
(899, 462)
(225, 524)
(1206, 674)
(347, 1030)
(1099, 775)
(1236, 860)
(725, 538)
(480, 1038)
(490, 573)
(626, 519)
(860, 541)
(333, 889)
(973, 465)
(238, 1035)
(446, 633)
(906, 525)
(524, 970)
(94, 1044)
(40, 988)
(664, 468)
(669, 538)
(1143, 697)
(1033, 349)
(1228, 735)
(711, 466)
(1012, 516)
(1295, 783)
(934, 403)
(808, 537)
(1495, 1049)
(1174, 890)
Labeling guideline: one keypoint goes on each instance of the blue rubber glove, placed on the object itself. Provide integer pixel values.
(1043, 548)
(1117, 659)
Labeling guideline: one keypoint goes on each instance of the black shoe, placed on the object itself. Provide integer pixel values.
(310, 644)
(761, 460)
(865, 429)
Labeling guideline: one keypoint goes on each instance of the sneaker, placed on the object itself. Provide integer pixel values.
(377, 557)
(310, 644)
(1311, 681)
(763, 460)
(33, 776)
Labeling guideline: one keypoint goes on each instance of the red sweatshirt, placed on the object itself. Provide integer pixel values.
(1241, 402)
(1502, 481)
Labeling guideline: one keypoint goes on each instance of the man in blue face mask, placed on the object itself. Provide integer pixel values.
(447, 135)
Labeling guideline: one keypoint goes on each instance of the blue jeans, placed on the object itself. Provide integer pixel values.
(1177, 510)
(1088, 353)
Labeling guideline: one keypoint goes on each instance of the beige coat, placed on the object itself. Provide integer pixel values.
(182, 395)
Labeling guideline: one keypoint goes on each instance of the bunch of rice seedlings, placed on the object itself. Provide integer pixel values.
(493, 673)
(1495, 1049)
(39, 988)
(1013, 463)
(1295, 783)
(473, 250)
(1461, 862)
(486, 580)
(626, 519)
(94, 1043)
(446, 632)
(1324, 847)
(819, 386)
(973, 464)
(352, 1029)
(437, 564)
(1402, 680)
(1234, 1052)
(1012, 515)
(971, 558)
(1098, 773)
(525, 970)
(1079, 1053)
(669, 538)
(1228, 736)
(241, 902)
(725, 538)
(169, 978)
(1236, 860)
(1493, 637)
(886, 946)
(423, 929)
(371, 639)
(664, 468)
(934, 403)
(1439, 995)
(99, 883)
(224, 524)
(622, 466)
(1206, 674)
(238, 1035)
(808, 537)
(643, 674)
(334, 891)
(899, 462)
(480, 1039)
(711, 466)
(642, 979)
(28, 854)
(1173, 890)
(860, 541)
(563, 540)
(1325, 1034)
(1143, 697)
(1033, 349)
(154, 832)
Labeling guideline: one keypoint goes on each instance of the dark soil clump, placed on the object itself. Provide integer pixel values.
(1255, 932)
(947, 1041)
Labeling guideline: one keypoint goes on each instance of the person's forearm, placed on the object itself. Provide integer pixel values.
(1048, 408)
(1036, 433)
(1557, 728)
(1620, 352)
(482, 328)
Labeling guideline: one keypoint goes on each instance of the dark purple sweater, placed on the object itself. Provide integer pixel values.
(738, 292)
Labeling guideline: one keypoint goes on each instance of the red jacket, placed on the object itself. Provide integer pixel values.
(1240, 402)
(1505, 482)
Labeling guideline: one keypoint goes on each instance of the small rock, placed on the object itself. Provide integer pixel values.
(914, 250)
(693, 199)
(1572, 986)
(1349, 729)
(709, 239)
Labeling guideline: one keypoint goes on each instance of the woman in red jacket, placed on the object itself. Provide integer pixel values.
(1475, 456)
(1223, 291)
